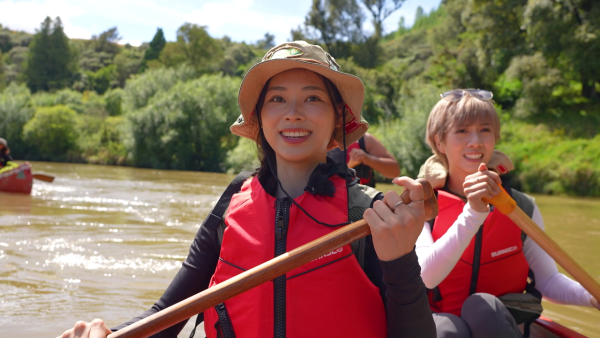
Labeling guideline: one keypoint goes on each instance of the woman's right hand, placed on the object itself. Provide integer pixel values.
(95, 329)
(482, 184)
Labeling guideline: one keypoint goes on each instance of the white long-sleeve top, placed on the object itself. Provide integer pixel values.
(438, 258)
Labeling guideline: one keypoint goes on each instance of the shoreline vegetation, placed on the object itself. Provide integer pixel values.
(169, 105)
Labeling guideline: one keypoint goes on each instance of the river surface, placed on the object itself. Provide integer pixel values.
(104, 242)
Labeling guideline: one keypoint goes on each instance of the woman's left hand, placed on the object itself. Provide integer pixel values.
(395, 229)
(595, 303)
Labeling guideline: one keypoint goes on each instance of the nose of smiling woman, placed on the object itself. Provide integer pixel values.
(474, 139)
(295, 110)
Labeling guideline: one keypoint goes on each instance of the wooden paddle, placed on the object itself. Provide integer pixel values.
(262, 273)
(507, 206)
(43, 177)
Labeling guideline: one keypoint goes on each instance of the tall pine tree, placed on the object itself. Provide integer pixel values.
(156, 46)
(50, 61)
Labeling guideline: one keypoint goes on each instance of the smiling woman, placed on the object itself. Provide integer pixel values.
(474, 258)
(296, 105)
(298, 119)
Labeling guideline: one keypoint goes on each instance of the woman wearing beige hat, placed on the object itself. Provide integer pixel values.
(297, 105)
(475, 260)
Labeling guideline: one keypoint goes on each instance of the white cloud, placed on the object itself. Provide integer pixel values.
(135, 43)
(27, 15)
(237, 19)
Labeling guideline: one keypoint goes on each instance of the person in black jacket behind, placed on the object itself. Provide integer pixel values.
(4, 153)
(364, 156)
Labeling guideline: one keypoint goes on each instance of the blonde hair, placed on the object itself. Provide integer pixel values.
(446, 115)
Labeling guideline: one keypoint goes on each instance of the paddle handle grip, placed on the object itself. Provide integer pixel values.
(265, 272)
(507, 206)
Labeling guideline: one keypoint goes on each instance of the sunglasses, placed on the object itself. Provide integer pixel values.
(457, 94)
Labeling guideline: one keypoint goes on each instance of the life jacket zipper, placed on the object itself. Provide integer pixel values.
(279, 284)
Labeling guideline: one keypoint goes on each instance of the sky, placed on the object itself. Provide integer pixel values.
(137, 20)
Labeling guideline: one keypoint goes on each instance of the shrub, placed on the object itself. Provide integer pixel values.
(16, 108)
(141, 88)
(114, 101)
(52, 134)
(187, 127)
(405, 137)
(243, 157)
(67, 97)
(102, 141)
(550, 163)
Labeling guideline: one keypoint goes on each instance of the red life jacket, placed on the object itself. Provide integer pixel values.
(328, 297)
(502, 265)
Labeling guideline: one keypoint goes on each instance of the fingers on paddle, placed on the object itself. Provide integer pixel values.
(415, 188)
(81, 329)
(98, 329)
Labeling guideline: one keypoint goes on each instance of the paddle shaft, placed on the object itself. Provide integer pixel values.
(506, 205)
(265, 272)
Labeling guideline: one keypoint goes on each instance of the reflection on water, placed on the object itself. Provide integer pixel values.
(105, 242)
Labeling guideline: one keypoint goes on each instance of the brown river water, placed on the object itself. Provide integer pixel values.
(104, 242)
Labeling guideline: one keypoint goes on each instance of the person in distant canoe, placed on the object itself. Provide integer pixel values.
(296, 105)
(4, 153)
(475, 260)
(364, 156)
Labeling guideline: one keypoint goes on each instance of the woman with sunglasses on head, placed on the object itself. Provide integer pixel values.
(297, 105)
(471, 254)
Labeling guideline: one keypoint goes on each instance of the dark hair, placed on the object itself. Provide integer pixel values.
(266, 150)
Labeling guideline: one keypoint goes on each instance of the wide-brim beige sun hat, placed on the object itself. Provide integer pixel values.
(300, 54)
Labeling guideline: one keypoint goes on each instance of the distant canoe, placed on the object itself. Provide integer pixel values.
(17, 179)
(546, 328)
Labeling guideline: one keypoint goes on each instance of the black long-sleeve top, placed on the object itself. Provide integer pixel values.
(399, 282)
(4, 159)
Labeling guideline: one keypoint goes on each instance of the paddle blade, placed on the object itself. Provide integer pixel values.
(43, 177)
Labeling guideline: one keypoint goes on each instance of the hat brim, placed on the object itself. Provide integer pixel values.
(350, 87)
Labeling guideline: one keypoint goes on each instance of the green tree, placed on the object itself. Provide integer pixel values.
(157, 44)
(52, 133)
(107, 41)
(568, 34)
(16, 108)
(237, 57)
(142, 88)
(334, 23)
(127, 63)
(187, 126)
(497, 26)
(267, 42)
(2, 81)
(381, 10)
(202, 51)
(50, 60)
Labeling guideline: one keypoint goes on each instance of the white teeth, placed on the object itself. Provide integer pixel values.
(474, 156)
(295, 134)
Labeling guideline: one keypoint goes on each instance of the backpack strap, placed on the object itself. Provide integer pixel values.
(215, 218)
(361, 144)
(216, 215)
(360, 198)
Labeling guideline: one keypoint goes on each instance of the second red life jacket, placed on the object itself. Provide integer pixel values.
(502, 265)
(328, 297)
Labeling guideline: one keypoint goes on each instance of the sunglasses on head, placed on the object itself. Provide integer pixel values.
(457, 94)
